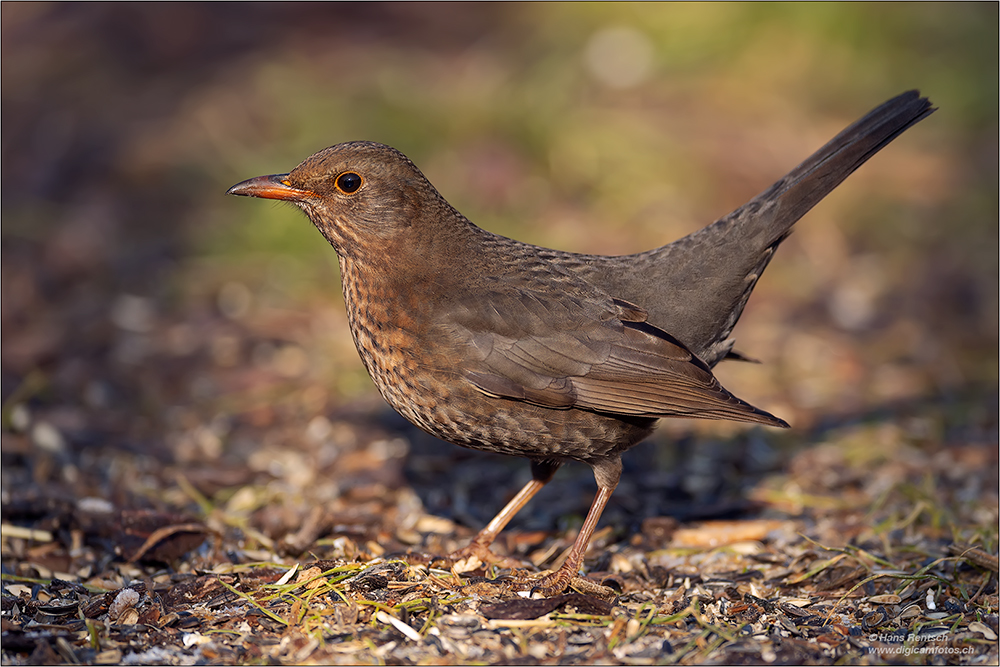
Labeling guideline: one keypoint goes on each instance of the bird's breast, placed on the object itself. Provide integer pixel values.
(414, 366)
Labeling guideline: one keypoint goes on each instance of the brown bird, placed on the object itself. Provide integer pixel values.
(502, 346)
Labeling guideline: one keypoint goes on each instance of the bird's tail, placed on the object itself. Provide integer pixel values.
(803, 187)
(697, 286)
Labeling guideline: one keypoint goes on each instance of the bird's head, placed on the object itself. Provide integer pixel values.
(362, 196)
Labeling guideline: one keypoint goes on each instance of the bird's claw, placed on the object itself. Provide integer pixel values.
(556, 583)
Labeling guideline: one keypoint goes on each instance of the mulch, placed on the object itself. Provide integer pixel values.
(822, 561)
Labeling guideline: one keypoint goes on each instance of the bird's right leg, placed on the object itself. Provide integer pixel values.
(541, 473)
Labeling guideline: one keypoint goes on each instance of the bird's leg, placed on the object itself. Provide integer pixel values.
(541, 473)
(607, 472)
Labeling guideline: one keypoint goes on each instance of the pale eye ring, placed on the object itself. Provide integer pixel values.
(349, 182)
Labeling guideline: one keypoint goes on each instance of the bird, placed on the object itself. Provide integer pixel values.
(498, 345)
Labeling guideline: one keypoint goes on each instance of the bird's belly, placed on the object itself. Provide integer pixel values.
(519, 429)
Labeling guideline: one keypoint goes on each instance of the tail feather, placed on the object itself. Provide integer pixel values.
(803, 187)
(696, 287)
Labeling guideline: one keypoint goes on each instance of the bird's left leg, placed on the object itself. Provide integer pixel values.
(541, 473)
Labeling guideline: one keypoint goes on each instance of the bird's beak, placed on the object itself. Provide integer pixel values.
(275, 186)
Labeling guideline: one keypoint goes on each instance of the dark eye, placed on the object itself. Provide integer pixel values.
(348, 182)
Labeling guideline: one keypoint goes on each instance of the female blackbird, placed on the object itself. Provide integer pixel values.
(498, 345)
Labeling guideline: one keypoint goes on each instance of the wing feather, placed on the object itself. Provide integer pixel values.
(595, 354)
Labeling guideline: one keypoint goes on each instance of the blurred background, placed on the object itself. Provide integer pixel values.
(154, 329)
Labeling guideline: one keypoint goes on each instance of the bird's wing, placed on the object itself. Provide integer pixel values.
(589, 353)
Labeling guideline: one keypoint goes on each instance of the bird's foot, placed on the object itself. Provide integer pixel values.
(556, 583)
(553, 583)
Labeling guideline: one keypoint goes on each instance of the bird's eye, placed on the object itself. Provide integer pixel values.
(348, 182)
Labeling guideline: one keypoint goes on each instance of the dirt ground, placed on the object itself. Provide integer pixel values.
(196, 469)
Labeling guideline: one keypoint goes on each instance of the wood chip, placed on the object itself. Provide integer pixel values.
(287, 576)
(884, 599)
(983, 629)
(470, 564)
(33, 535)
(718, 533)
(310, 578)
(410, 633)
(977, 556)
(428, 523)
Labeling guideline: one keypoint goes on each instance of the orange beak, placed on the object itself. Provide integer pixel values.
(275, 186)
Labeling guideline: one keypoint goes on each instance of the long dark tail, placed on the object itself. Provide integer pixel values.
(696, 287)
(803, 187)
